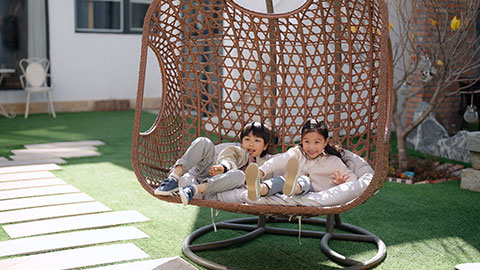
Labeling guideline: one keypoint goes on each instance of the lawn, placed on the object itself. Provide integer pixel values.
(432, 226)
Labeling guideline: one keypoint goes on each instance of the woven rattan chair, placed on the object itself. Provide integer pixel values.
(223, 66)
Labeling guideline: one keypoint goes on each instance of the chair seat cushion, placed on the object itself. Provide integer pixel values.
(334, 196)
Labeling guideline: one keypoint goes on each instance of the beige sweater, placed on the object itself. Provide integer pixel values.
(235, 157)
(320, 169)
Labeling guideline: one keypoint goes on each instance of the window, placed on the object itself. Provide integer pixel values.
(138, 9)
(111, 16)
(23, 34)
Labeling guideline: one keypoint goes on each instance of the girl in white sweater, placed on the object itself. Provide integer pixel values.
(314, 165)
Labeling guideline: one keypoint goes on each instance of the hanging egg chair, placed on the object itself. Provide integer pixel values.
(223, 65)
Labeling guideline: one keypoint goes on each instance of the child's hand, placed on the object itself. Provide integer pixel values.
(215, 170)
(340, 178)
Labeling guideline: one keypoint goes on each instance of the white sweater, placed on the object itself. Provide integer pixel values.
(320, 169)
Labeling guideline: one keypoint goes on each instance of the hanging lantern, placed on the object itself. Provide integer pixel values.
(471, 115)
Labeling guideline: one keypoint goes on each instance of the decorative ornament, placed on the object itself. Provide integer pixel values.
(471, 114)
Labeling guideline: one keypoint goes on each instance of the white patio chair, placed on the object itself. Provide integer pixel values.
(35, 80)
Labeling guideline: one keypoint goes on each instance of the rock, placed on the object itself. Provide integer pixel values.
(454, 147)
(473, 142)
(473, 145)
(475, 160)
(470, 179)
(432, 138)
(428, 132)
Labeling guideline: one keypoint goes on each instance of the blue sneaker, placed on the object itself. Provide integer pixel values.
(186, 194)
(167, 187)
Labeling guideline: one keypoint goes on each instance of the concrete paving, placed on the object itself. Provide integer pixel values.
(73, 258)
(68, 240)
(56, 199)
(31, 183)
(25, 176)
(55, 225)
(54, 211)
(30, 168)
(38, 191)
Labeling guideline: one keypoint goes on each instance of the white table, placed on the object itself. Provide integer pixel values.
(4, 72)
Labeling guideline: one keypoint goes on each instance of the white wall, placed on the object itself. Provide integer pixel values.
(91, 66)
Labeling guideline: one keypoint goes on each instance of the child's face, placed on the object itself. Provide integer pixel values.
(313, 144)
(253, 144)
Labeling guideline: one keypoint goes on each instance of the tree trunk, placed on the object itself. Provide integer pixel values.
(401, 136)
(402, 151)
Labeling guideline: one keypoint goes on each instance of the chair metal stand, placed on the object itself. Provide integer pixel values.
(330, 223)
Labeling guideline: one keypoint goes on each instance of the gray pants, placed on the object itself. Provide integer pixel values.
(275, 184)
(198, 159)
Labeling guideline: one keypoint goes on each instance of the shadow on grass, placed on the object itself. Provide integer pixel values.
(276, 251)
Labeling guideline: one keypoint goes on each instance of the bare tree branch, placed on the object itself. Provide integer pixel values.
(436, 62)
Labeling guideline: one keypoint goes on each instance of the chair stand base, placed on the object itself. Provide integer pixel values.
(332, 221)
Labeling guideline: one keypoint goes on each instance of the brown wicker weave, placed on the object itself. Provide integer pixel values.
(223, 66)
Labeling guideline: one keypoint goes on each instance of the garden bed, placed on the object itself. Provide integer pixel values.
(423, 171)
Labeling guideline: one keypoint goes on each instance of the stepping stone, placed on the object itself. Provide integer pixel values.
(54, 155)
(44, 201)
(74, 258)
(31, 183)
(52, 212)
(53, 150)
(39, 191)
(3, 159)
(26, 176)
(468, 266)
(65, 144)
(176, 263)
(68, 240)
(30, 168)
(33, 156)
(73, 223)
(32, 162)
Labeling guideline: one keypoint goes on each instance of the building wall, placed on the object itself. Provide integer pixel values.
(89, 67)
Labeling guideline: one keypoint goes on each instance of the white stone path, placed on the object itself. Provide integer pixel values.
(53, 225)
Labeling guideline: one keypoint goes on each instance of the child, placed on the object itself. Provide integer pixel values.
(217, 174)
(318, 164)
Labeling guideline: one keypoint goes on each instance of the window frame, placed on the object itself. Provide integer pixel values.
(125, 18)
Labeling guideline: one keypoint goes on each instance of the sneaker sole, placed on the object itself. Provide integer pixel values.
(291, 177)
(183, 198)
(166, 193)
(251, 175)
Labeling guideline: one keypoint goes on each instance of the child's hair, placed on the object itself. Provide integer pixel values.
(321, 128)
(260, 130)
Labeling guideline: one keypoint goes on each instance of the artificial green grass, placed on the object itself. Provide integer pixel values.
(432, 226)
